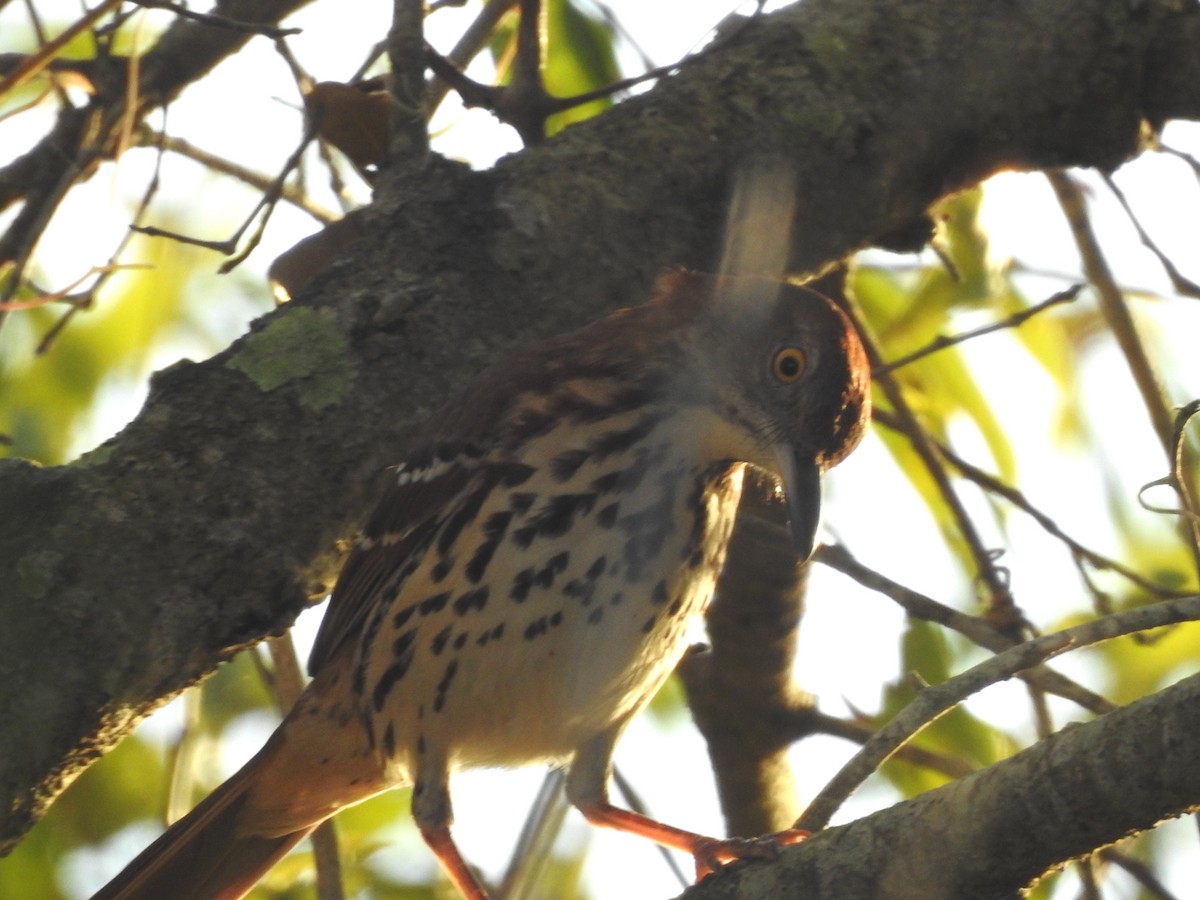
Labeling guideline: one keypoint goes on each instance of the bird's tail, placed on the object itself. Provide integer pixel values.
(207, 855)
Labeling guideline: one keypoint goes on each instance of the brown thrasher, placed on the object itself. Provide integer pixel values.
(524, 586)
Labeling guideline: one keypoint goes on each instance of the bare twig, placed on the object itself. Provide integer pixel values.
(216, 21)
(1137, 870)
(976, 629)
(65, 295)
(106, 272)
(305, 86)
(1182, 284)
(861, 732)
(473, 40)
(293, 194)
(1175, 479)
(524, 103)
(181, 763)
(543, 824)
(635, 802)
(1079, 552)
(538, 832)
(613, 21)
(264, 206)
(999, 600)
(1190, 160)
(33, 218)
(1116, 313)
(935, 701)
(1087, 879)
(35, 62)
(942, 342)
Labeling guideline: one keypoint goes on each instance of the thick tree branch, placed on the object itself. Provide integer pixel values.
(988, 835)
(211, 520)
(738, 690)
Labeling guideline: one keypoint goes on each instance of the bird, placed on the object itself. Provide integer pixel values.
(525, 584)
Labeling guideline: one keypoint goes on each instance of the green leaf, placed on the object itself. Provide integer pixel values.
(926, 653)
(579, 58)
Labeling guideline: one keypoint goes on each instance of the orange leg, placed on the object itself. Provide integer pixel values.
(709, 853)
(443, 848)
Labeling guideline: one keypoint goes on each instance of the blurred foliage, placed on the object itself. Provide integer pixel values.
(908, 309)
(928, 657)
(908, 312)
(53, 375)
(579, 57)
(44, 395)
(125, 785)
(49, 400)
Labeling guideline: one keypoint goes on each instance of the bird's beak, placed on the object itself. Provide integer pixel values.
(802, 484)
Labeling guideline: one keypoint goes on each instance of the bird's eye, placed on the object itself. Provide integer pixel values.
(788, 365)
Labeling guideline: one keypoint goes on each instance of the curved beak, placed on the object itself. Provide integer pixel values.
(802, 485)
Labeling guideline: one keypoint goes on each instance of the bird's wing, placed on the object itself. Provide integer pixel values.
(421, 493)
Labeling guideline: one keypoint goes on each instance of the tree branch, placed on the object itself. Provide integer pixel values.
(212, 519)
(1055, 801)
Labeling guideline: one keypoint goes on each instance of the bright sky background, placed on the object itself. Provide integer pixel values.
(1024, 223)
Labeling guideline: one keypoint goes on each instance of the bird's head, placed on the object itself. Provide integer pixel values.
(786, 373)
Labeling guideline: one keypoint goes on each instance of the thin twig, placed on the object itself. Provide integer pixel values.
(181, 766)
(65, 295)
(1181, 283)
(1087, 879)
(935, 701)
(106, 272)
(943, 341)
(861, 732)
(473, 40)
(538, 833)
(35, 62)
(974, 628)
(373, 56)
(1176, 477)
(635, 802)
(33, 219)
(305, 84)
(265, 205)
(1139, 871)
(993, 485)
(215, 21)
(999, 602)
(1190, 160)
(39, 30)
(614, 22)
(524, 102)
(1119, 319)
(293, 194)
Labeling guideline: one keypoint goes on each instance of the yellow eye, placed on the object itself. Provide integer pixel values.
(788, 365)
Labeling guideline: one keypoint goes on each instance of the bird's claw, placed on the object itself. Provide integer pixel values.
(713, 854)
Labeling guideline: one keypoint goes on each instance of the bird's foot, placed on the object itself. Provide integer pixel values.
(713, 854)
